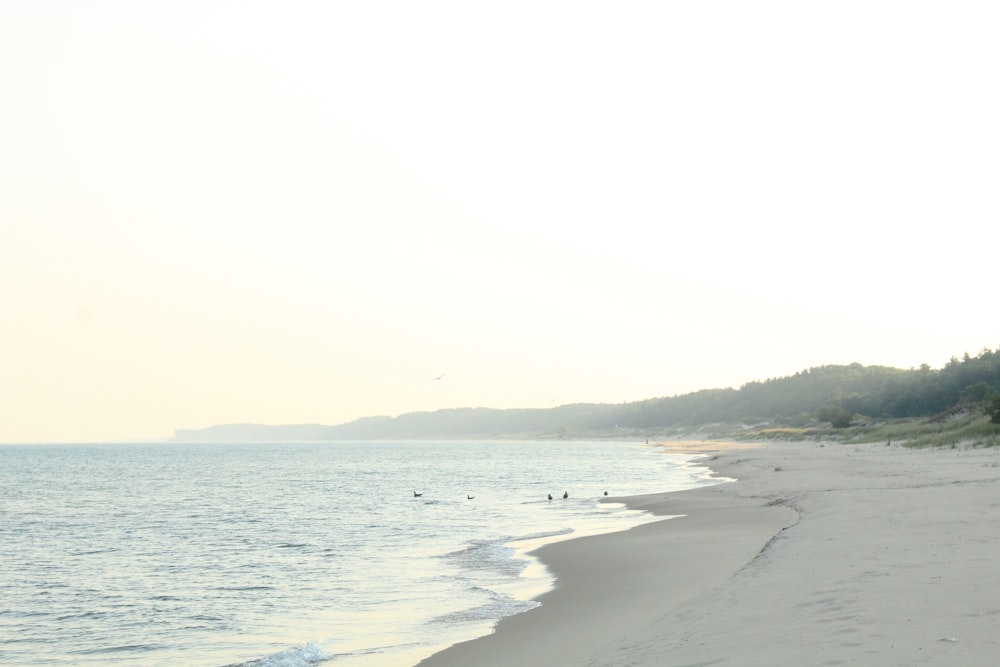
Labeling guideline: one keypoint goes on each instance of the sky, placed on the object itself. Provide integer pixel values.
(304, 212)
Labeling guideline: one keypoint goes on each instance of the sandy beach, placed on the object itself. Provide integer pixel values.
(820, 554)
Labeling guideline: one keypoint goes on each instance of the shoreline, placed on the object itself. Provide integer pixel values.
(818, 554)
(602, 589)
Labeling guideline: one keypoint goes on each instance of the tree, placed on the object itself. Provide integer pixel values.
(977, 393)
(841, 419)
(993, 410)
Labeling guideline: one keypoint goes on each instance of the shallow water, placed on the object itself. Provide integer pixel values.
(291, 554)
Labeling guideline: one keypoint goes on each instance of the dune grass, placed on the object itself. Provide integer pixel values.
(968, 428)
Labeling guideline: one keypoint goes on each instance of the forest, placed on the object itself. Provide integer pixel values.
(836, 396)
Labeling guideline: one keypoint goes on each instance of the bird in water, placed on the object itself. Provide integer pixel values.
(417, 495)
(550, 496)
(469, 497)
(565, 494)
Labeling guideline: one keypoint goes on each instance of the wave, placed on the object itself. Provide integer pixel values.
(500, 606)
(299, 656)
(123, 648)
(542, 535)
(82, 615)
(492, 554)
(497, 554)
(91, 552)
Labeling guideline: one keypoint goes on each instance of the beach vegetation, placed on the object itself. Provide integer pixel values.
(841, 418)
(959, 428)
(993, 411)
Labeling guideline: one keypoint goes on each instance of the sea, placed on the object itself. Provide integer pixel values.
(352, 554)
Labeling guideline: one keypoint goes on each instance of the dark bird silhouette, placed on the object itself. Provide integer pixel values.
(417, 495)
(550, 496)
(565, 494)
(605, 493)
(470, 497)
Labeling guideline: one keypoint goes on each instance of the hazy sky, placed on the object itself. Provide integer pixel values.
(302, 212)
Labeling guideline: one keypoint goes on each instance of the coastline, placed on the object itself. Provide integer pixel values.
(818, 554)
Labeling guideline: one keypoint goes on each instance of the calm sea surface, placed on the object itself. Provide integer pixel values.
(291, 554)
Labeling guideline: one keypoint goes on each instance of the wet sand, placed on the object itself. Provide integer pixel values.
(819, 555)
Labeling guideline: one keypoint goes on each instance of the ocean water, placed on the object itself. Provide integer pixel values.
(296, 553)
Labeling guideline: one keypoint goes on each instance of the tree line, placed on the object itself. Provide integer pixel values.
(838, 394)
(835, 394)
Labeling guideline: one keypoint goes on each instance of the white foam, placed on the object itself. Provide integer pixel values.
(300, 656)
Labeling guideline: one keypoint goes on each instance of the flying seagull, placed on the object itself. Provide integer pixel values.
(439, 376)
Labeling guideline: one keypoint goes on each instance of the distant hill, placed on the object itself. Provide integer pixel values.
(835, 394)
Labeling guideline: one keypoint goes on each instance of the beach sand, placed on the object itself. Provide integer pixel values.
(819, 555)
